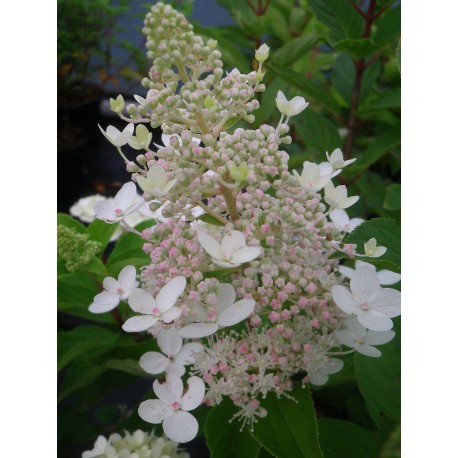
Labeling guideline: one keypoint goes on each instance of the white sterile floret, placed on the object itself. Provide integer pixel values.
(142, 138)
(177, 355)
(83, 209)
(320, 375)
(337, 161)
(262, 53)
(154, 310)
(374, 306)
(337, 197)
(341, 219)
(156, 184)
(372, 250)
(312, 178)
(385, 277)
(232, 251)
(115, 290)
(125, 202)
(172, 407)
(358, 337)
(117, 138)
(290, 107)
(227, 313)
(102, 448)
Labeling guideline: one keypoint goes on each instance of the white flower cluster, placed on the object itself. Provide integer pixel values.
(263, 256)
(136, 445)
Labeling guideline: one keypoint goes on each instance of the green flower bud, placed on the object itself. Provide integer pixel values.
(239, 173)
(117, 105)
(262, 53)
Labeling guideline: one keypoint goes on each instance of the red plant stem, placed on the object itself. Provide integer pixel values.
(360, 66)
(117, 317)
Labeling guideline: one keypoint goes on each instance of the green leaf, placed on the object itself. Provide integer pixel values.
(343, 439)
(130, 366)
(101, 232)
(388, 27)
(357, 48)
(68, 221)
(318, 133)
(398, 55)
(388, 99)
(341, 18)
(393, 197)
(382, 145)
(294, 49)
(344, 74)
(83, 340)
(379, 380)
(224, 439)
(387, 232)
(209, 219)
(97, 267)
(290, 428)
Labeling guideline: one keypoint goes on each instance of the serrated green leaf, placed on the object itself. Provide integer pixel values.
(359, 48)
(290, 428)
(294, 49)
(101, 232)
(393, 197)
(68, 221)
(83, 340)
(387, 232)
(224, 439)
(343, 439)
(379, 380)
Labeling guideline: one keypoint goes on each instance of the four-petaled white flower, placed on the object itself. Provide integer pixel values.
(312, 178)
(337, 197)
(177, 355)
(337, 161)
(385, 277)
(125, 202)
(358, 337)
(156, 184)
(154, 310)
(117, 138)
(341, 219)
(115, 291)
(372, 250)
(320, 375)
(142, 138)
(374, 306)
(290, 107)
(231, 252)
(173, 406)
(227, 313)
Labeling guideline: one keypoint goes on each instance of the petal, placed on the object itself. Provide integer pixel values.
(375, 321)
(110, 284)
(386, 301)
(186, 354)
(386, 277)
(169, 341)
(194, 394)
(226, 296)
(169, 391)
(348, 202)
(156, 174)
(141, 302)
(339, 217)
(127, 278)
(153, 411)
(104, 302)
(367, 350)
(346, 338)
(232, 242)
(333, 366)
(346, 271)
(125, 196)
(154, 362)
(193, 331)
(105, 210)
(345, 300)
(210, 245)
(139, 323)
(245, 254)
(180, 426)
(379, 251)
(236, 313)
(224, 263)
(355, 222)
(353, 325)
(379, 338)
(318, 378)
(169, 293)
(171, 315)
(364, 283)
(175, 368)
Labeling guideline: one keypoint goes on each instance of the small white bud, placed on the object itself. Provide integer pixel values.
(262, 53)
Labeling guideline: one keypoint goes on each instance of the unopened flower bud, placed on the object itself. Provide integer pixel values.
(262, 53)
(209, 102)
(117, 105)
(132, 167)
(239, 173)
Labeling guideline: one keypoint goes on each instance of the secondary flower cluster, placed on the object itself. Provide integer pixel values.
(257, 261)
